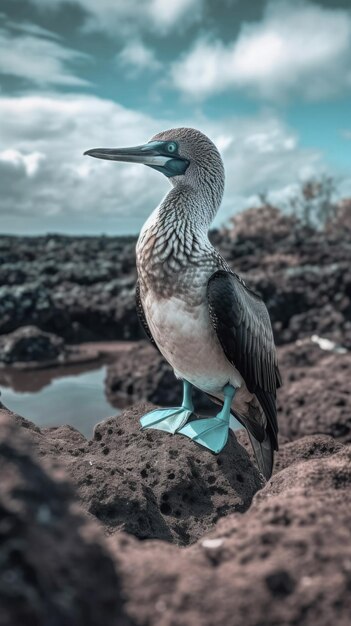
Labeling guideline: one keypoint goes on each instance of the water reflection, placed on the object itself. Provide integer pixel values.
(66, 395)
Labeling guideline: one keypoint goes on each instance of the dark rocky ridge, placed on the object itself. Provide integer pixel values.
(82, 288)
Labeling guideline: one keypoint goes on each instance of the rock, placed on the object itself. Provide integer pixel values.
(142, 373)
(314, 399)
(176, 495)
(30, 304)
(81, 288)
(55, 566)
(149, 483)
(28, 344)
(290, 452)
(286, 561)
(256, 225)
(29, 348)
(305, 449)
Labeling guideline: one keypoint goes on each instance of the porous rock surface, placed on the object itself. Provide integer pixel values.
(149, 483)
(316, 396)
(55, 566)
(286, 561)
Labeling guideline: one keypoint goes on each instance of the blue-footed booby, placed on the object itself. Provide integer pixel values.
(208, 324)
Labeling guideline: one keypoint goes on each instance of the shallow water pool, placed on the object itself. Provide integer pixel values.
(58, 396)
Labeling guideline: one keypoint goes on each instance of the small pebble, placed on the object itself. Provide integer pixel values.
(212, 544)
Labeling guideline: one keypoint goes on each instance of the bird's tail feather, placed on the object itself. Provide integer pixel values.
(263, 450)
(264, 454)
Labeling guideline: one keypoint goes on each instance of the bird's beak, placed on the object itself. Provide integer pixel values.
(138, 154)
(151, 154)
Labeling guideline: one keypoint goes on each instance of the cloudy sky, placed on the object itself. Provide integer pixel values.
(269, 82)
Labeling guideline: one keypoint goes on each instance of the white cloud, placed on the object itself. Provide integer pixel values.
(31, 28)
(138, 57)
(263, 155)
(66, 183)
(30, 162)
(27, 54)
(129, 16)
(297, 48)
(166, 14)
(44, 175)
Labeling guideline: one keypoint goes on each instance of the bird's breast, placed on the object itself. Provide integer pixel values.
(187, 340)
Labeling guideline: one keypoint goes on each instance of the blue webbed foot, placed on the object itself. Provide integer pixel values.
(212, 432)
(170, 420)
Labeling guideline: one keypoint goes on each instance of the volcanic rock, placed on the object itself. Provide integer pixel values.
(305, 449)
(29, 344)
(149, 483)
(286, 561)
(55, 567)
(30, 348)
(315, 397)
(82, 288)
(177, 495)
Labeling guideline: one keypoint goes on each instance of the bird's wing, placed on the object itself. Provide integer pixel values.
(141, 315)
(243, 327)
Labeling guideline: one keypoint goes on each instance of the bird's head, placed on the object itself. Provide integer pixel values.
(182, 154)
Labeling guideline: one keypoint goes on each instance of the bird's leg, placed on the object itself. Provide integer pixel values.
(212, 432)
(170, 420)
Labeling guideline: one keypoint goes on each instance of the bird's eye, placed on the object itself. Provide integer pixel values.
(172, 146)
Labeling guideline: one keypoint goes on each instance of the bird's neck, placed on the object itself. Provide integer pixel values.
(187, 209)
(175, 233)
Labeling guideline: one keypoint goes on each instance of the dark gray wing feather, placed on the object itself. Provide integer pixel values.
(141, 315)
(241, 321)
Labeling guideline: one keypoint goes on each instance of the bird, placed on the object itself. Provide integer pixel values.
(208, 324)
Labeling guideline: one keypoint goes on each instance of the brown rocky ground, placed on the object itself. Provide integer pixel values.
(287, 560)
(316, 396)
(284, 560)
